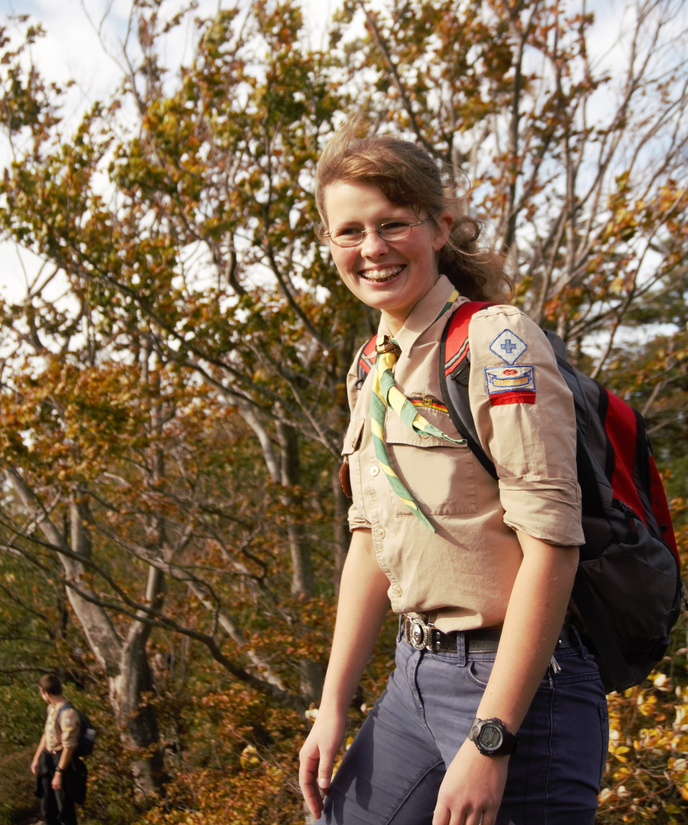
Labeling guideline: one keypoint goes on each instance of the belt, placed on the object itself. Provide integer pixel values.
(425, 636)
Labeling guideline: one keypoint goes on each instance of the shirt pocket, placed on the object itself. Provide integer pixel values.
(439, 474)
(351, 454)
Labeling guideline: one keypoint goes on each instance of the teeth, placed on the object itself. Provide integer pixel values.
(381, 274)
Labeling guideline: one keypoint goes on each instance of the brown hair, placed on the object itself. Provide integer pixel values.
(50, 683)
(407, 175)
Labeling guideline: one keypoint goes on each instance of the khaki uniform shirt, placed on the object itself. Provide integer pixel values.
(63, 733)
(524, 416)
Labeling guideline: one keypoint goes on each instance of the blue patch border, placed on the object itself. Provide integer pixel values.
(511, 332)
(532, 388)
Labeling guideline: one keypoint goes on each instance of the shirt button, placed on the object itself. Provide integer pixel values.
(382, 532)
(397, 591)
(374, 470)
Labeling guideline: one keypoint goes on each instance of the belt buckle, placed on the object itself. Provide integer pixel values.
(419, 635)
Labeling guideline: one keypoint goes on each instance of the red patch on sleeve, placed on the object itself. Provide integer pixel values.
(512, 398)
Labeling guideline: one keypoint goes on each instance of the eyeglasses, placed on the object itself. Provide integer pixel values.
(392, 231)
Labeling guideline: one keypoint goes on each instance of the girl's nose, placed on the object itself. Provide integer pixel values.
(373, 245)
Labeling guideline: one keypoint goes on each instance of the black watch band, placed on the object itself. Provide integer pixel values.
(58, 769)
(492, 738)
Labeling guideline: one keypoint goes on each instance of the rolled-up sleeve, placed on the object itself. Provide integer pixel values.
(525, 420)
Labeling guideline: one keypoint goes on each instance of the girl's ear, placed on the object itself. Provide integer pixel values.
(443, 225)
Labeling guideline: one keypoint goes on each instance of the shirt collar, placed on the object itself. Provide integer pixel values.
(55, 709)
(422, 316)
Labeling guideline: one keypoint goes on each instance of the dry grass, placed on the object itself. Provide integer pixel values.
(19, 804)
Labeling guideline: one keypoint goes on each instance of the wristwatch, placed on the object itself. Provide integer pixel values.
(492, 738)
(58, 769)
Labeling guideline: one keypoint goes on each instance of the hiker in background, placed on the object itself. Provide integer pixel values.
(495, 712)
(58, 780)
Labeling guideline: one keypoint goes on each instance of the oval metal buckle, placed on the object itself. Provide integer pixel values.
(419, 634)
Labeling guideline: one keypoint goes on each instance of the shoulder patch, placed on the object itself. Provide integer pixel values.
(511, 385)
(508, 346)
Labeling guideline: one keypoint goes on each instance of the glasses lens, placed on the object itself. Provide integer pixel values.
(394, 231)
(348, 237)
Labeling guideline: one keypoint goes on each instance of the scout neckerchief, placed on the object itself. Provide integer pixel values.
(386, 395)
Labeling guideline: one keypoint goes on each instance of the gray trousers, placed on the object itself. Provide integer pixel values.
(392, 772)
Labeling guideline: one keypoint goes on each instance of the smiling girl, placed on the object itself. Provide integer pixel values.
(495, 712)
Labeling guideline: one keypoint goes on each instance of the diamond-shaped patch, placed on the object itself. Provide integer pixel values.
(508, 346)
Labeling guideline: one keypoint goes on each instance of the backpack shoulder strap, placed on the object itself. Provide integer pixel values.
(455, 366)
(367, 356)
(64, 707)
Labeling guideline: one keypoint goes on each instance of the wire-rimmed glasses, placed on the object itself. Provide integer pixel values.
(390, 232)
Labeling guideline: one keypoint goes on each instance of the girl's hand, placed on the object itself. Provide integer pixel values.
(472, 789)
(317, 758)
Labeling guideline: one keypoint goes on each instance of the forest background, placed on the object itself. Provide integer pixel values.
(172, 370)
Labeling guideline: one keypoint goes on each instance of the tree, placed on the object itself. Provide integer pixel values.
(173, 382)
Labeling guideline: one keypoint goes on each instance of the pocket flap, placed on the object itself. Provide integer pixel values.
(352, 439)
(396, 432)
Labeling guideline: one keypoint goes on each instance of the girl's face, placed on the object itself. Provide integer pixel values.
(391, 276)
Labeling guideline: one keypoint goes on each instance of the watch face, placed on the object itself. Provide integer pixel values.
(491, 737)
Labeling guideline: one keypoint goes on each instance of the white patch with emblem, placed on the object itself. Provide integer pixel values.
(510, 379)
(508, 346)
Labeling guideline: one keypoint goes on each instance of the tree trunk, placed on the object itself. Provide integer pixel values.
(128, 695)
(302, 572)
(128, 674)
